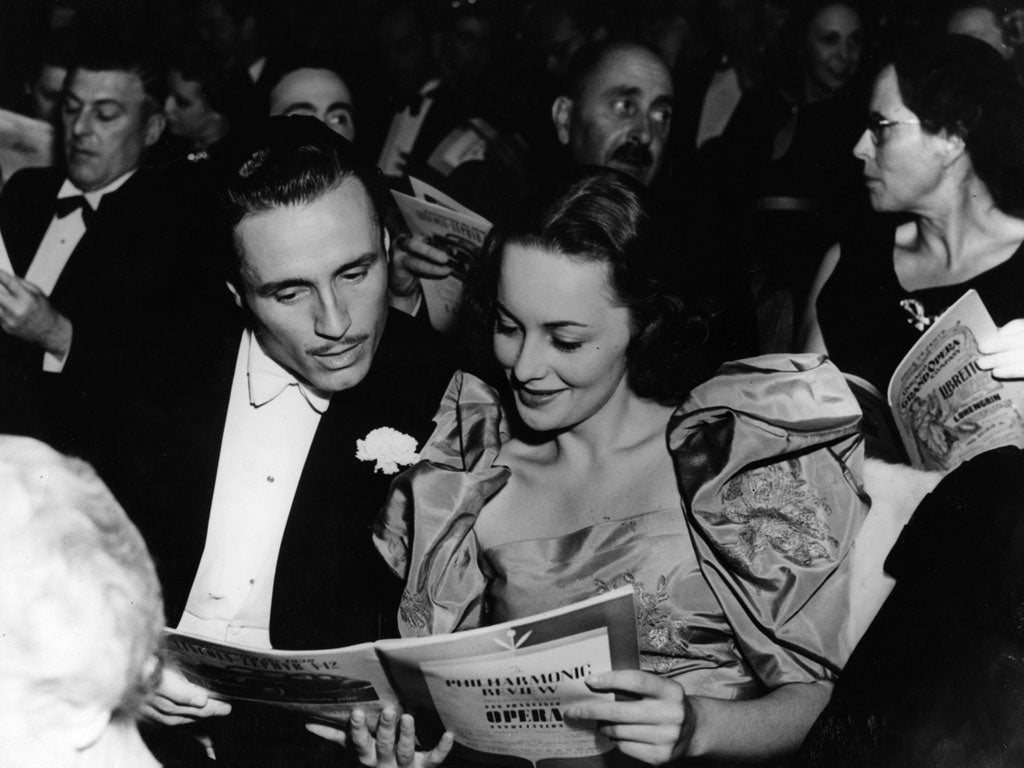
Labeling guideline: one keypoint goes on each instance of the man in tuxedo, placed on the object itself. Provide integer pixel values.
(97, 252)
(239, 464)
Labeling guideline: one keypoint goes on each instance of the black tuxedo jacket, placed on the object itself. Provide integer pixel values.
(140, 276)
(331, 587)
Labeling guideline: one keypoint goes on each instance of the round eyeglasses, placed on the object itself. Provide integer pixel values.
(876, 126)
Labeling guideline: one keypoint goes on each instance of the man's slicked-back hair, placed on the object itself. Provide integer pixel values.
(289, 161)
(103, 50)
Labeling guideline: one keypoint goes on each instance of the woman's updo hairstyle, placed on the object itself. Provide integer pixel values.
(602, 215)
(963, 86)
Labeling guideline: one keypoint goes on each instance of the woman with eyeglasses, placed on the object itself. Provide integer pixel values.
(943, 147)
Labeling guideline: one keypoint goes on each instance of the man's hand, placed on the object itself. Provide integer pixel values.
(1004, 353)
(27, 314)
(412, 259)
(393, 745)
(655, 727)
(176, 701)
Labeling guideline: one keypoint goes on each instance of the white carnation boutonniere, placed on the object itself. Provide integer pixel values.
(389, 448)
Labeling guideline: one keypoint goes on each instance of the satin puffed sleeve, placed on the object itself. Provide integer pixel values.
(769, 459)
(425, 530)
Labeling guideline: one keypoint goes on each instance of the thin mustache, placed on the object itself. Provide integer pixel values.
(348, 341)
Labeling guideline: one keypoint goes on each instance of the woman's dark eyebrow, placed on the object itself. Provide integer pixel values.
(553, 325)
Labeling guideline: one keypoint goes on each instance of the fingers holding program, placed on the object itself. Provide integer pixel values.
(1003, 354)
(413, 259)
(27, 314)
(176, 701)
(655, 724)
(392, 745)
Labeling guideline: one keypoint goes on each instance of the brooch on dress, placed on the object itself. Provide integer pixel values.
(917, 316)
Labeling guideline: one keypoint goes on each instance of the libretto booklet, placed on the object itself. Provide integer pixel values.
(500, 689)
(946, 409)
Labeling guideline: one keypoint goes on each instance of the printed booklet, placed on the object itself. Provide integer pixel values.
(946, 410)
(500, 689)
(455, 229)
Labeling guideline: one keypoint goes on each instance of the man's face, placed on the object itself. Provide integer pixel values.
(314, 278)
(45, 91)
(107, 126)
(622, 116)
(319, 93)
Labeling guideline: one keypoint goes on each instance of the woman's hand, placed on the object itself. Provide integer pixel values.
(655, 727)
(393, 745)
(1004, 353)
(176, 701)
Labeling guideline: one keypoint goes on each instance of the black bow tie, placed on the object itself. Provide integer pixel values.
(68, 205)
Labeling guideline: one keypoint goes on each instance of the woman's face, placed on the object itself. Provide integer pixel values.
(832, 49)
(560, 336)
(902, 163)
(188, 113)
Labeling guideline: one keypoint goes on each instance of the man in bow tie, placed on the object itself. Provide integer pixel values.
(96, 252)
(239, 464)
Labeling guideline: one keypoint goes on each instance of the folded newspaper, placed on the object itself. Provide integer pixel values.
(500, 689)
(946, 409)
(455, 229)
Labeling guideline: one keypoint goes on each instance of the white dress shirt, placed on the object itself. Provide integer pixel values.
(57, 245)
(271, 421)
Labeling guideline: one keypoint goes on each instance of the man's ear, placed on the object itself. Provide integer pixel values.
(155, 125)
(561, 116)
(234, 292)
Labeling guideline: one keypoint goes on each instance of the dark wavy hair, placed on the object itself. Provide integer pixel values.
(602, 215)
(961, 85)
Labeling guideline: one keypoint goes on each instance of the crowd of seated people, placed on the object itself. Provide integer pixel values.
(718, 226)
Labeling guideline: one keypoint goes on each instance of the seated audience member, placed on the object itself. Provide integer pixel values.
(616, 113)
(45, 83)
(434, 131)
(102, 251)
(786, 165)
(941, 145)
(616, 108)
(938, 680)
(80, 616)
(207, 101)
(306, 86)
(32, 142)
(234, 28)
(239, 462)
(607, 463)
(980, 19)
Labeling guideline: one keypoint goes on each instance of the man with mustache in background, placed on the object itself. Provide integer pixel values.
(616, 109)
(239, 462)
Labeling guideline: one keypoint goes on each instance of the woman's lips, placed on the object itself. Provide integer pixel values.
(536, 398)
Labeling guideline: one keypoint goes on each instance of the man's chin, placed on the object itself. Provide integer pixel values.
(330, 380)
(642, 173)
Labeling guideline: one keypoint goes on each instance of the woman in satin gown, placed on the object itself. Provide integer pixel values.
(729, 506)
